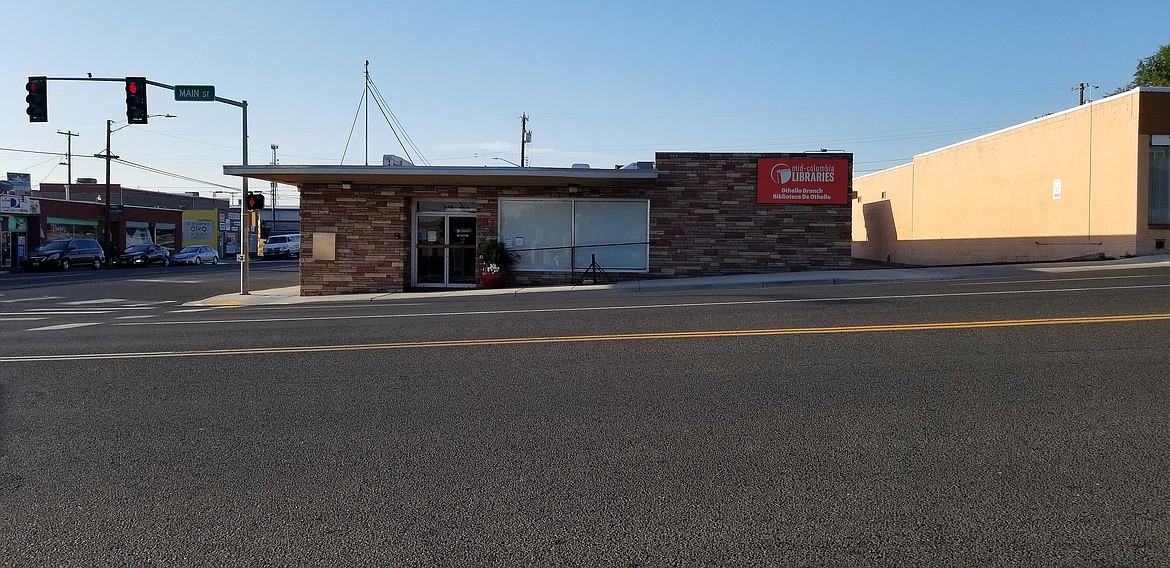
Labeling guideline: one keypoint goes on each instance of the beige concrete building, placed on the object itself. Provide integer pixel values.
(1092, 180)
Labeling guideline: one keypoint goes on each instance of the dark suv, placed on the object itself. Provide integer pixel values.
(65, 253)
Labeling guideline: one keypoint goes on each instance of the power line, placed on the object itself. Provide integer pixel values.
(31, 152)
(170, 174)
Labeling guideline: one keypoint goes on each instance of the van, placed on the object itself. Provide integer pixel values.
(282, 246)
(65, 253)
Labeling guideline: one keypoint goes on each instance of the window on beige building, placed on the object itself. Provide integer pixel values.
(1159, 185)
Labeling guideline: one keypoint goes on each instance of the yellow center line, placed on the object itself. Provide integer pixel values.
(602, 337)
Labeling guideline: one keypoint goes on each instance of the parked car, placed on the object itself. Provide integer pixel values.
(142, 255)
(64, 253)
(196, 254)
(282, 246)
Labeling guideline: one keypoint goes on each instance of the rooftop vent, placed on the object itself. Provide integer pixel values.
(639, 166)
(392, 160)
(580, 166)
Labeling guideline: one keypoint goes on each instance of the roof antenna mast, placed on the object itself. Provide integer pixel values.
(366, 103)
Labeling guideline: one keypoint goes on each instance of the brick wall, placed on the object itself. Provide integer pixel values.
(704, 221)
(372, 227)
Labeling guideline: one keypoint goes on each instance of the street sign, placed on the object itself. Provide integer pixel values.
(195, 93)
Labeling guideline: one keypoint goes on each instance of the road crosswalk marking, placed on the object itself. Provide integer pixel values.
(63, 326)
(40, 299)
(90, 302)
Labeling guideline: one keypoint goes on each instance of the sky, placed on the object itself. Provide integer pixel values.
(603, 82)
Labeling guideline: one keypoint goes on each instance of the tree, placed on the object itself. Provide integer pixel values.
(1153, 71)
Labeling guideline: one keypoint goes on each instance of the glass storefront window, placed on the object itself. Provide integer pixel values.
(566, 234)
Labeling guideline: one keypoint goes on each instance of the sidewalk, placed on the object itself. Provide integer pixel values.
(291, 294)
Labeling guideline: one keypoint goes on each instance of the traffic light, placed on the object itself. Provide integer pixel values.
(38, 104)
(255, 201)
(136, 100)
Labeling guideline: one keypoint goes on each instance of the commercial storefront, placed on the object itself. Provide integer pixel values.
(136, 216)
(1088, 182)
(389, 228)
(17, 214)
(60, 219)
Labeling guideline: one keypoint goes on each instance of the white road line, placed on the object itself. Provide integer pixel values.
(62, 326)
(4, 319)
(165, 281)
(42, 298)
(102, 301)
(1098, 267)
(1040, 281)
(68, 312)
(649, 307)
(93, 310)
(147, 316)
(192, 310)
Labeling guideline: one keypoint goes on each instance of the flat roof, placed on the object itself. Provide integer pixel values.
(444, 175)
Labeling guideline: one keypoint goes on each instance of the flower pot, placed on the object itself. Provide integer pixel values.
(492, 279)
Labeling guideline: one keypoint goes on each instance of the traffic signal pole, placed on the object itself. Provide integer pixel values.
(244, 236)
(243, 105)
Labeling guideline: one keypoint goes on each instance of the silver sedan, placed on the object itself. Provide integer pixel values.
(195, 254)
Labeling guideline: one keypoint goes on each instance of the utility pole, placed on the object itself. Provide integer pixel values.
(109, 234)
(68, 160)
(525, 137)
(1081, 87)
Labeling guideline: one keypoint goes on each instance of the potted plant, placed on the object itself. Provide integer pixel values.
(495, 260)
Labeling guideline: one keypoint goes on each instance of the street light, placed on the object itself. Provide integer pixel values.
(109, 235)
(509, 161)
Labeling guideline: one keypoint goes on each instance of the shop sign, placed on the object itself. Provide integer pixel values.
(803, 180)
(19, 205)
(199, 228)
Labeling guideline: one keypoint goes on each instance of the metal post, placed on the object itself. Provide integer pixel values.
(366, 104)
(244, 211)
(109, 234)
(272, 204)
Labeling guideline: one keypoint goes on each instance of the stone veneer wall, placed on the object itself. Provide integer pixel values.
(372, 229)
(704, 221)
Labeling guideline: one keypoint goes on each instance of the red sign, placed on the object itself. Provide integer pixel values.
(803, 180)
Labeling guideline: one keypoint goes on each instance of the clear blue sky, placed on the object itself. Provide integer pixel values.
(603, 82)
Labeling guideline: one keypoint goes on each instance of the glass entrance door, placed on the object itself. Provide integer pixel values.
(444, 249)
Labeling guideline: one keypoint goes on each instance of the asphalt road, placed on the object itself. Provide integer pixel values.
(977, 422)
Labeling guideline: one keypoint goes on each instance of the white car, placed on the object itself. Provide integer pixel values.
(196, 254)
(282, 246)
